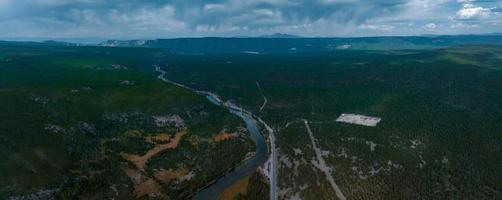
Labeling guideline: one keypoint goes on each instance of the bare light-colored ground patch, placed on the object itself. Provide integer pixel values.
(142, 184)
(224, 136)
(168, 120)
(163, 137)
(145, 185)
(140, 161)
(149, 187)
(358, 119)
(167, 176)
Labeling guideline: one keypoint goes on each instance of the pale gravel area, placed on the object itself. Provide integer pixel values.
(371, 144)
(54, 128)
(358, 119)
(168, 120)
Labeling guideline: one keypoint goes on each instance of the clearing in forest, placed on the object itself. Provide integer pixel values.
(358, 119)
(223, 136)
(140, 161)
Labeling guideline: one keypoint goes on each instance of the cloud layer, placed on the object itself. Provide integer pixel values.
(127, 19)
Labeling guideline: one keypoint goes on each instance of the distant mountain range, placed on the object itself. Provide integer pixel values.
(42, 43)
(283, 43)
(280, 35)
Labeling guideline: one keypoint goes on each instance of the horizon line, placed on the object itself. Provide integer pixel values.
(92, 40)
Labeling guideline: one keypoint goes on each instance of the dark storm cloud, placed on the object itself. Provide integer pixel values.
(300, 10)
(171, 18)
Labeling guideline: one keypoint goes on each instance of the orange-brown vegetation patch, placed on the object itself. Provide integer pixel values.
(102, 148)
(140, 161)
(142, 184)
(133, 133)
(149, 187)
(166, 176)
(135, 176)
(239, 187)
(163, 137)
(224, 136)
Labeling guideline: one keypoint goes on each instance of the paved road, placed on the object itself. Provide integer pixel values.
(273, 161)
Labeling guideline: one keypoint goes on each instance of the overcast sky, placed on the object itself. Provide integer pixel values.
(145, 19)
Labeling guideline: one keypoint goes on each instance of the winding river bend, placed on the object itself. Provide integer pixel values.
(212, 192)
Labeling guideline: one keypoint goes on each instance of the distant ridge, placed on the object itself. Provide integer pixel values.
(60, 43)
(282, 43)
(280, 35)
(440, 35)
(43, 43)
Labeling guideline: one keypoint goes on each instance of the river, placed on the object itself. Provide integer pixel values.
(248, 167)
(212, 192)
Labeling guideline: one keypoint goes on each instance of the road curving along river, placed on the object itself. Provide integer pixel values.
(213, 191)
